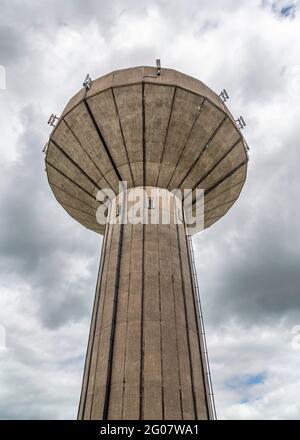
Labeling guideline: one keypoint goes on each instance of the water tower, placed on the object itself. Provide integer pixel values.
(160, 131)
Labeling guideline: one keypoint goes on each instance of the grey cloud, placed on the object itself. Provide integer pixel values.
(255, 275)
(34, 247)
(11, 47)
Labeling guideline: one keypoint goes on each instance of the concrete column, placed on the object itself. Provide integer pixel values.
(143, 359)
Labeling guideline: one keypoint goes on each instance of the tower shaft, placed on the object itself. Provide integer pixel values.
(144, 352)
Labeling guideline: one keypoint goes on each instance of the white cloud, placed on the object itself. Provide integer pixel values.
(256, 371)
(40, 368)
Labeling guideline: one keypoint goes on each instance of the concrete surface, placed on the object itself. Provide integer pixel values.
(143, 358)
(170, 131)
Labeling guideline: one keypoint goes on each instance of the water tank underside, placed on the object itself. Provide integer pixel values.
(169, 131)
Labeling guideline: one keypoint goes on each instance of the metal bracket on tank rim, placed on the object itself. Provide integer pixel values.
(158, 67)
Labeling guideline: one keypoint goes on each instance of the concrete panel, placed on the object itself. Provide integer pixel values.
(231, 161)
(119, 356)
(99, 84)
(187, 398)
(220, 144)
(223, 198)
(218, 212)
(72, 202)
(152, 352)
(153, 409)
(173, 77)
(82, 126)
(186, 109)
(206, 124)
(98, 382)
(128, 76)
(59, 161)
(165, 261)
(131, 405)
(131, 402)
(116, 402)
(158, 106)
(238, 177)
(105, 113)
(70, 145)
(129, 105)
(170, 360)
(198, 377)
(135, 298)
(57, 180)
(81, 216)
(226, 192)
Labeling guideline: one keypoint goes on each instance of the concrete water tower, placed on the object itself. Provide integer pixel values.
(159, 131)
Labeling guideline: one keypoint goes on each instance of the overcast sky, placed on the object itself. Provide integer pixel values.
(248, 263)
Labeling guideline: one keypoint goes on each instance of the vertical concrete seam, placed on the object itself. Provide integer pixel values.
(53, 185)
(144, 133)
(220, 205)
(176, 333)
(67, 177)
(219, 161)
(126, 333)
(187, 326)
(166, 135)
(222, 192)
(143, 263)
(89, 156)
(64, 153)
(87, 364)
(226, 177)
(160, 324)
(187, 140)
(197, 323)
(142, 335)
(110, 230)
(114, 314)
(102, 139)
(91, 340)
(203, 148)
(122, 134)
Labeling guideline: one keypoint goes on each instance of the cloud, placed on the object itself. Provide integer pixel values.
(32, 227)
(255, 369)
(247, 263)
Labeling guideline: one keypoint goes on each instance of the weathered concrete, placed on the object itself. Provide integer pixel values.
(170, 131)
(144, 358)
